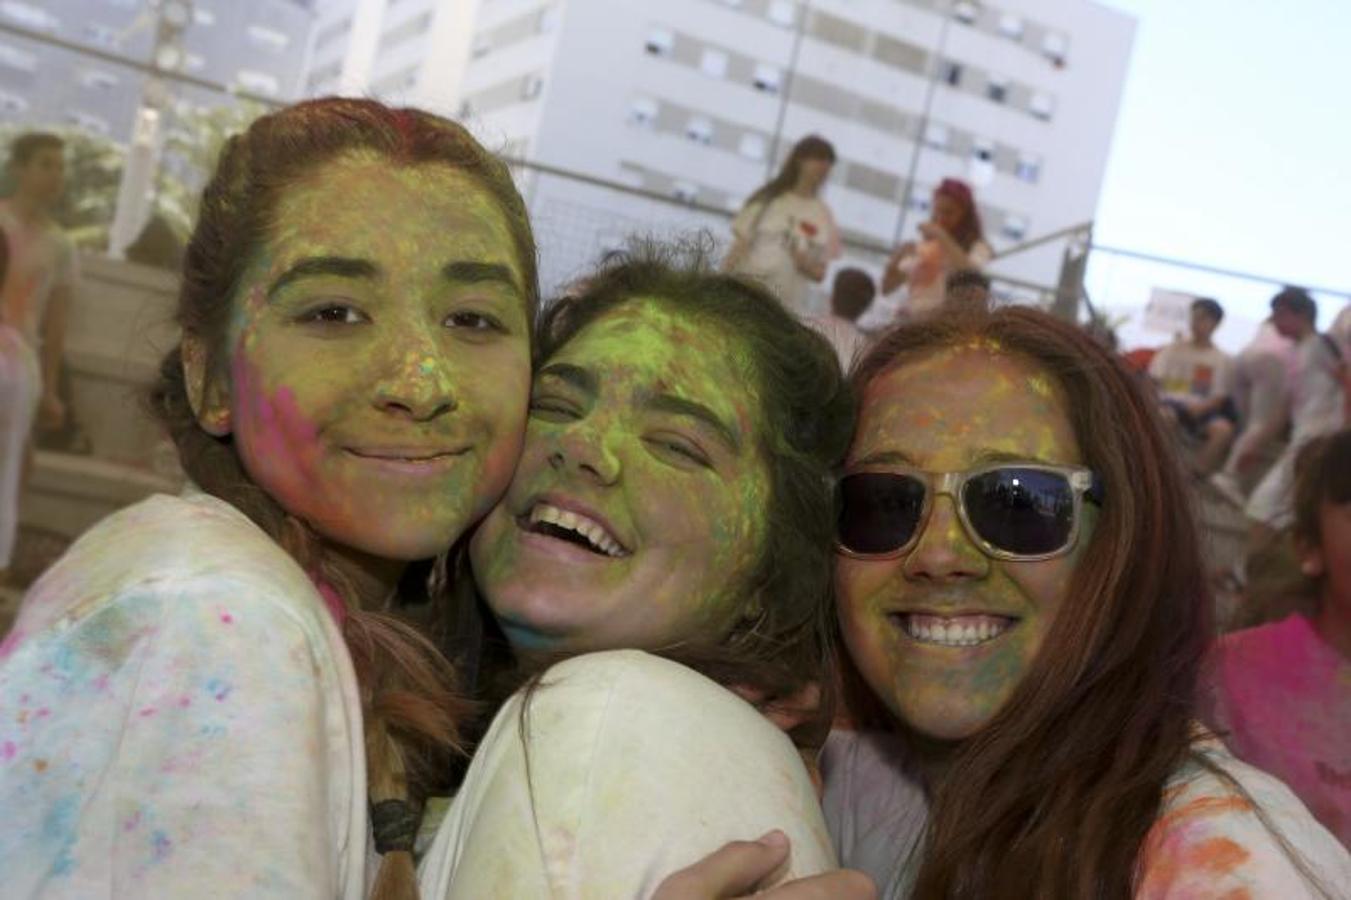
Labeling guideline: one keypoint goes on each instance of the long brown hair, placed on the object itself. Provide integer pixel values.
(1054, 797)
(411, 708)
(812, 146)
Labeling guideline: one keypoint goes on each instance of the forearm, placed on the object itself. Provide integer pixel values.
(892, 277)
(54, 337)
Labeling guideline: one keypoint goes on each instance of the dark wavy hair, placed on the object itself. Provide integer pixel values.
(411, 707)
(807, 415)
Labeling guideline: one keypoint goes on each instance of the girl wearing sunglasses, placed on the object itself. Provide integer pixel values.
(1022, 598)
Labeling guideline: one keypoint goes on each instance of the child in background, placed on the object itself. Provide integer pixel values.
(851, 296)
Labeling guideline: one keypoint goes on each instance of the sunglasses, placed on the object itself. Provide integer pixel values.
(1019, 511)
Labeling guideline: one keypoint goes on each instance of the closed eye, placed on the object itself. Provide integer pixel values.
(554, 409)
(674, 445)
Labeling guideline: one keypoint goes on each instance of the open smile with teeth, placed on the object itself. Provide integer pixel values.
(574, 528)
(953, 631)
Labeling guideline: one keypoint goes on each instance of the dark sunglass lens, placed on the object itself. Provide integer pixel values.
(879, 511)
(1021, 510)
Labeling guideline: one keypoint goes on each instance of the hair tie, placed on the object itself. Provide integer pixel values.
(395, 826)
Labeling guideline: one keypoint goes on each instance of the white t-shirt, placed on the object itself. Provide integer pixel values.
(41, 259)
(790, 220)
(926, 273)
(1316, 395)
(621, 769)
(179, 717)
(1207, 841)
(845, 336)
(1184, 370)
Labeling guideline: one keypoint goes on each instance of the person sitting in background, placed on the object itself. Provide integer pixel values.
(1195, 379)
(1316, 408)
(851, 295)
(952, 240)
(1280, 697)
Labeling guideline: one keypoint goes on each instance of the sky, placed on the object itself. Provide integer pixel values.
(1233, 149)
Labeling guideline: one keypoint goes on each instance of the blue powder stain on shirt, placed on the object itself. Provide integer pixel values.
(218, 688)
(58, 826)
(161, 845)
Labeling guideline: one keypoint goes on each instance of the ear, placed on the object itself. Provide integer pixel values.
(1310, 558)
(208, 394)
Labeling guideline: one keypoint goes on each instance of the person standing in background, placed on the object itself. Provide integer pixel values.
(1316, 408)
(785, 235)
(952, 240)
(35, 296)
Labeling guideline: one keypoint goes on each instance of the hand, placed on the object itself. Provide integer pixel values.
(932, 231)
(907, 248)
(741, 867)
(51, 411)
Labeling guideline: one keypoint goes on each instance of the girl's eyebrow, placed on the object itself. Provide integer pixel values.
(310, 266)
(466, 271)
(680, 406)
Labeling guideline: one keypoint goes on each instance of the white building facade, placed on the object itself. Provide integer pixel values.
(699, 100)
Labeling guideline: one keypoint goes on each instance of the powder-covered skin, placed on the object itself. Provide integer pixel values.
(385, 321)
(684, 500)
(949, 411)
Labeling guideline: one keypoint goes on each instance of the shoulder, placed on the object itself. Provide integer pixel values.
(193, 546)
(1211, 834)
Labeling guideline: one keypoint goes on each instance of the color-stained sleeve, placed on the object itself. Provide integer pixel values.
(185, 752)
(624, 769)
(1211, 843)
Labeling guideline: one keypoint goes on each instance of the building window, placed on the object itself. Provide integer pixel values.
(531, 87)
(733, 3)
(782, 12)
(97, 80)
(713, 62)
(965, 11)
(482, 44)
(194, 62)
(13, 58)
(752, 146)
(936, 135)
(9, 103)
(767, 78)
(643, 112)
(981, 167)
(950, 72)
(87, 122)
(257, 82)
(1029, 168)
(1055, 46)
(1042, 105)
(982, 150)
(29, 16)
(1014, 228)
(1011, 27)
(919, 199)
(270, 38)
(699, 129)
(660, 42)
(548, 20)
(997, 88)
(685, 192)
(203, 16)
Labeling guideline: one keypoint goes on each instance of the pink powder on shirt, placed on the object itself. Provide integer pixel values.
(1283, 704)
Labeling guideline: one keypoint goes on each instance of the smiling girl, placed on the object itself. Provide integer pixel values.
(1021, 592)
(672, 497)
(206, 694)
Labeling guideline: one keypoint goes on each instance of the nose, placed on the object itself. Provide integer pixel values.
(585, 452)
(944, 552)
(417, 382)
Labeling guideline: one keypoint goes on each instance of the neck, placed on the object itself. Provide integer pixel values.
(1333, 621)
(932, 758)
(804, 190)
(372, 578)
(28, 208)
(1201, 343)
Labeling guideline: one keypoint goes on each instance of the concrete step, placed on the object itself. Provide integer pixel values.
(67, 493)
